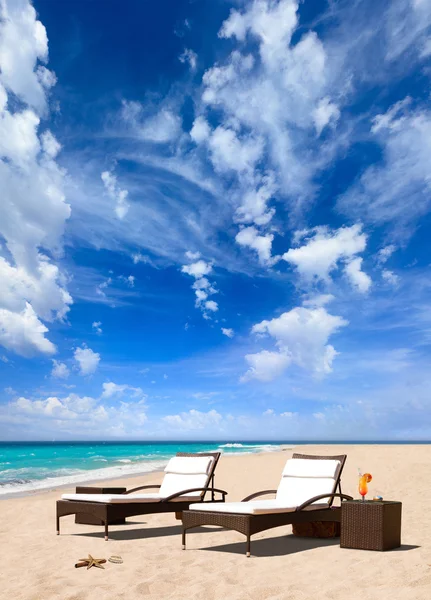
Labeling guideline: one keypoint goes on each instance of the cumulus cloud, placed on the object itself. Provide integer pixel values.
(253, 208)
(76, 416)
(193, 420)
(358, 278)
(97, 326)
(189, 57)
(197, 269)
(323, 250)
(114, 390)
(59, 370)
(202, 286)
(116, 194)
(227, 332)
(87, 360)
(23, 333)
(266, 365)
(33, 288)
(262, 244)
(301, 337)
(23, 45)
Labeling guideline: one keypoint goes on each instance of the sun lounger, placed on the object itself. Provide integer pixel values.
(306, 492)
(188, 478)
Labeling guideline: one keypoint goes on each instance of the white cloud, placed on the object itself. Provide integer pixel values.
(200, 131)
(265, 365)
(23, 333)
(190, 57)
(319, 300)
(80, 416)
(193, 255)
(162, 127)
(87, 360)
(116, 194)
(111, 390)
(227, 332)
(230, 153)
(262, 244)
(193, 420)
(324, 249)
(59, 370)
(97, 326)
(390, 277)
(50, 145)
(253, 208)
(202, 286)
(129, 280)
(326, 112)
(211, 305)
(301, 336)
(358, 278)
(24, 42)
(384, 254)
(138, 257)
(197, 269)
(379, 195)
(33, 288)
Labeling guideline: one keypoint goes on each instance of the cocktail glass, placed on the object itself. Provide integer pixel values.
(363, 486)
(364, 480)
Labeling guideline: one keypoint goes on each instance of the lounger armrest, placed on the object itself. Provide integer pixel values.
(312, 500)
(204, 489)
(257, 494)
(142, 487)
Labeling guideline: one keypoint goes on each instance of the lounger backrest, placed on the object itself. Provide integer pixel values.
(184, 473)
(303, 479)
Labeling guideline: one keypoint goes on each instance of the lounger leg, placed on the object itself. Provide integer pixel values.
(184, 539)
(248, 547)
(106, 530)
(58, 525)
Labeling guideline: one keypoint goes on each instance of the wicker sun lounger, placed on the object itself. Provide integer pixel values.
(306, 492)
(188, 478)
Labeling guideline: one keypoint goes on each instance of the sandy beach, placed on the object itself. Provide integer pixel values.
(37, 564)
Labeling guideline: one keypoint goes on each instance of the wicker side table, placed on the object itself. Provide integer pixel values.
(84, 519)
(370, 525)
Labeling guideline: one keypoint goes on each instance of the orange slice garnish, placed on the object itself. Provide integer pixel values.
(368, 477)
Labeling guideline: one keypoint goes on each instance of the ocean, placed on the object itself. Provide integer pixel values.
(30, 466)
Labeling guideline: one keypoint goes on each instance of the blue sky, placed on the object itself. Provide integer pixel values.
(215, 219)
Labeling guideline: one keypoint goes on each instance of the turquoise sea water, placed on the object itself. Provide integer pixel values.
(28, 466)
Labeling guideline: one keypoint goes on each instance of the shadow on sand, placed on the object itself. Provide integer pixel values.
(136, 534)
(284, 545)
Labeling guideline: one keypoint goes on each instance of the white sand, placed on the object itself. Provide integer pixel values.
(37, 564)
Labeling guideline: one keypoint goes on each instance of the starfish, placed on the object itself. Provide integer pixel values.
(92, 562)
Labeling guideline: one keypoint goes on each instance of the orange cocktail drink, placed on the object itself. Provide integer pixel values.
(364, 480)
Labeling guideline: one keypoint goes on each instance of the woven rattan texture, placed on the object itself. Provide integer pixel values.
(371, 525)
(241, 523)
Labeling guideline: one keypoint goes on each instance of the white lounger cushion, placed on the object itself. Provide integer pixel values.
(303, 479)
(185, 473)
(254, 507)
(189, 465)
(307, 467)
(173, 483)
(181, 473)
